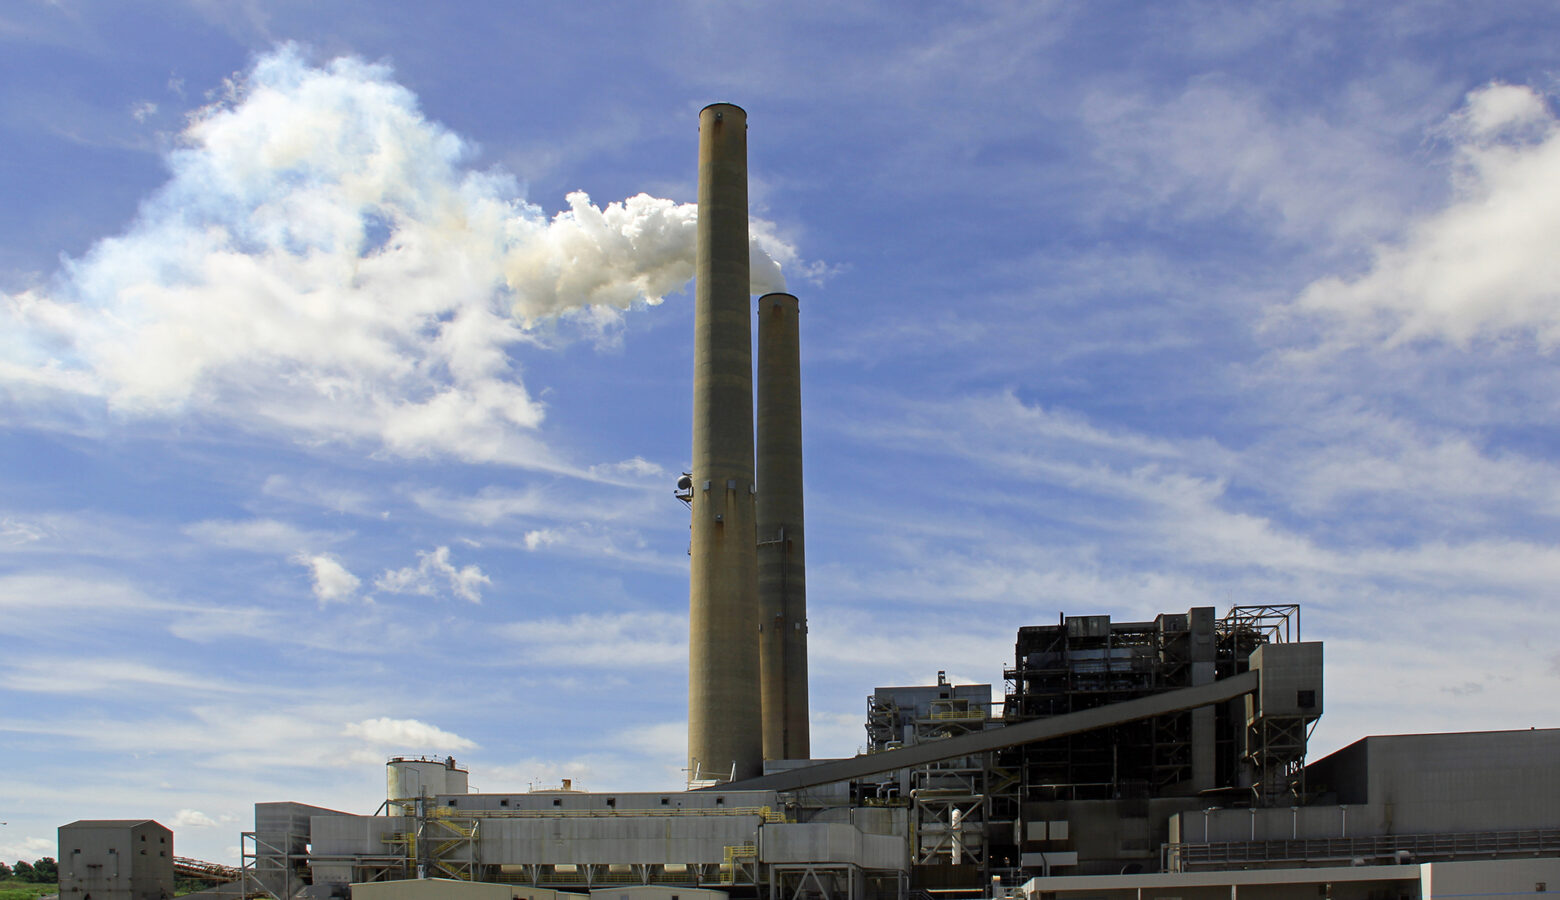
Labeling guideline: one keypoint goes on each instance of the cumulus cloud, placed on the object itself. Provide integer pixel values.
(1485, 265)
(432, 575)
(192, 818)
(323, 262)
(387, 732)
(332, 581)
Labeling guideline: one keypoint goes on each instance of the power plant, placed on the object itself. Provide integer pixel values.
(1152, 759)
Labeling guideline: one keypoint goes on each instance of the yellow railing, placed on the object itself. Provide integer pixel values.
(734, 852)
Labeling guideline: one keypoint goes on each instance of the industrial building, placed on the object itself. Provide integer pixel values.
(115, 859)
(1160, 758)
(960, 795)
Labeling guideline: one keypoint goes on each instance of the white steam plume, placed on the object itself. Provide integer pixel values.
(320, 262)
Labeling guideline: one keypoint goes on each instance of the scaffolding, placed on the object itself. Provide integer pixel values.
(1086, 662)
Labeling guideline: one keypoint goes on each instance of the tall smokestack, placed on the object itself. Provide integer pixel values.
(782, 568)
(725, 732)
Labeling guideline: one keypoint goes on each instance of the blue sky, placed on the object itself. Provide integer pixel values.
(345, 368)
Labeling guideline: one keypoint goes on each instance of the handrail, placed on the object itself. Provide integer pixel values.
(768, 814)
(1187, 855)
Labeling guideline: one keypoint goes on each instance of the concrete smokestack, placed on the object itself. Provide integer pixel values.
(725, 732)
(782, 568)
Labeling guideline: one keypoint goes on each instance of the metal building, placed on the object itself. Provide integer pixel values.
(115, 859)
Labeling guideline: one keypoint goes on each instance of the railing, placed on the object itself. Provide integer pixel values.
(686, 878)
(746, 852)
(1186, 857)
(768, 814)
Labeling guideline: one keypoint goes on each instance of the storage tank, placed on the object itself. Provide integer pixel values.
(410, 777)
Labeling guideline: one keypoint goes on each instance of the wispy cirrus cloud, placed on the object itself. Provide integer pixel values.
(1483, 266)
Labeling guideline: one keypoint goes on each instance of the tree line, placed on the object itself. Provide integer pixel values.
(41, 871)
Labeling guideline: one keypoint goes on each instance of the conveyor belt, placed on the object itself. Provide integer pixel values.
(999, 738)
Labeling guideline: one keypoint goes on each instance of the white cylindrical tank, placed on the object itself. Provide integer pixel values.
(410, 777)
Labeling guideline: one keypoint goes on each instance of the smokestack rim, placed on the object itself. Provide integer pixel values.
(777, 298)
(711, 106)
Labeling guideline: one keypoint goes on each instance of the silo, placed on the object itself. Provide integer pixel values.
(782, 567)
(410, 777)
(724, 728)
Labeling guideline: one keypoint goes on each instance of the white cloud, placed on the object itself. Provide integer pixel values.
(255, 535)
(327, 494)
(407, 733)
(16, 531)
(191, 818)
(618, 639)
(1218, 148)
(322, 264)
(28, 848)
(97, 677)
(1485, 265)
(332, 581)
(433, 572)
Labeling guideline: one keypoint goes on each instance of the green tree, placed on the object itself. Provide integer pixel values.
(23, 871)
(45, 871)
(5, 871)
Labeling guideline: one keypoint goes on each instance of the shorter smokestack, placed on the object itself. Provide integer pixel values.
(782, 567)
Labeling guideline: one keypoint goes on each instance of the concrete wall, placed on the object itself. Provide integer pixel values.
(655, 892)
(1497, 780)
(430, 889)
(1415, 784)
(1344, 774)
(831, 843)
(1335, 883)
(345, 836)
(1491, 879)
(526, 892)
(621, 840)
(1110, 834)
